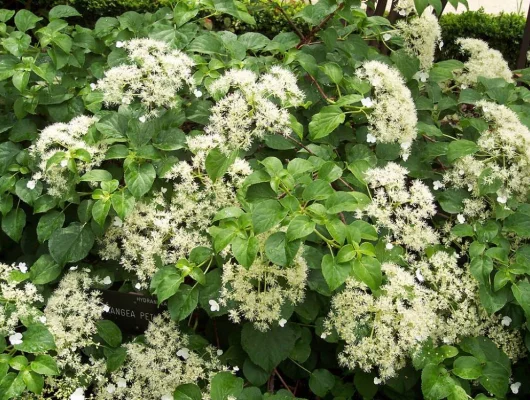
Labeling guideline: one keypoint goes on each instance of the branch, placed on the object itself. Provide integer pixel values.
(296, 30)
(319, 88)
(319, 27)
(283, 382)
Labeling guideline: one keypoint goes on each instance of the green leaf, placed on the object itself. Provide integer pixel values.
(279, 250)
(300, 227)
(321, 382)
(436, 384)
(225, 385)
(25, 20)
(317, 190)
(44, 270)
(521, 292)
(467, 367)
(368, 270)
(182, 303)
(188, 391)
(481, 268)
(100, 210)
(166, 282)
(18, 362)
(346, 201)
(109, 332)
(518, 223)
(49, 223)
(36, 339)
(267, 349)
(71, 244)
(115, 357)
(8, 153)
(253, 41)
(123, 203)
(26, 194)
(34, 382)
(182, 13)
(421, 5)
(334, 273)
(266, 215)
(140, 178)
(218, 163)
(333, 71)
(96, 175)
(13, 223)
(62, 11)
(45, 365)
(245, 250)
(460, 148)
(325, 122)
(11, 386)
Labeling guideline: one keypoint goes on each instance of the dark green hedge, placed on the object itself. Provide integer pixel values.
(503, 32)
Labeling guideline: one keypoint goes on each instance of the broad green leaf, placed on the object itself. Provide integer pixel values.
(436, 383)
(13, 223)
(62, 11)
(36, 339)
(217, 163)
(467, 367)
(518, 223)
(321, 382)
(245, 250)
(44, 270)
(267, 349)
(521, 292)
(188, 391)
(279, 250)
(334, 273)
(300, 227)
(368, 270)
(266, 215)
(71, 244)
(34, 382)
(123, 203)
(165, 283)
(25, 20)
(96, 175)
(182, 303)
(139, 178)
(317, 190)
(460, 148)
(325, 122)
(49, 223)
(225, 385)
(8, 153)
(11, 386)
(109, 332)
(45, 365)
(100, 210)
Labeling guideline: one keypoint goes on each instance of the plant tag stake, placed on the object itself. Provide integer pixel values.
(132, 312)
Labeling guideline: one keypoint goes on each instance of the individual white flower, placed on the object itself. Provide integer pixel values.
(184, 353)
(31, 184)
(377, 381)
(236, 368)
(138, 286)
(107, 280)
(15, 338)
(367, 102)
(282, 322)
(389, 246)
(166, 397)
(514, 387)
(42, 319)
(74, 268)
(214, 305)
(122, 383)
(403, 13)
(79, 394)
(502, 199)
(111, 388)
(64, 163)
(441, 44)
(371, 138)
(419, 276)
(197, 93)
(22, 267)
(387, 37)
(106, 308)
(506, 321)
(220, 352)
(119, 44)
(437, 185)
(117, 222)
(461, 219)
(93, 86)
(142, 119)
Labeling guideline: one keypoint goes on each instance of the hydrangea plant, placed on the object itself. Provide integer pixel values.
(325, 214)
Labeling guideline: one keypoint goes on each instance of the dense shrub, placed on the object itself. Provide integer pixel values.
(503, 32)
(312, 218)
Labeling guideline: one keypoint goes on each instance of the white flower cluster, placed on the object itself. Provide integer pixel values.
(382, 331)
(421, 36)
(156, 73)
(18, 301)
(260, 291)
(58, 145)
(155, 367)
(393, 118)
(440, 301)
(401, 207)
(71, 315)
(483, 61)
(248, 112)
(503, 159)
(170, 228)
(405, 7)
